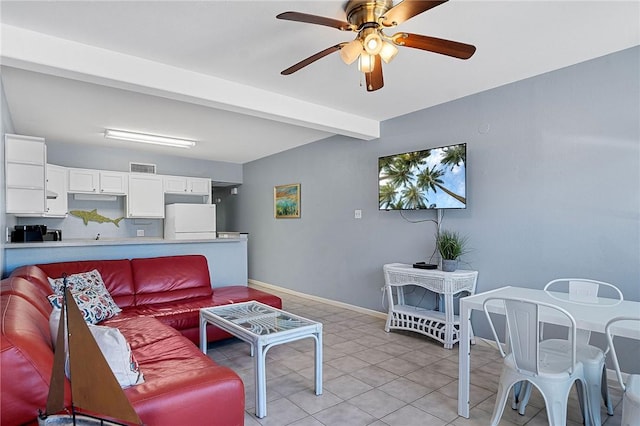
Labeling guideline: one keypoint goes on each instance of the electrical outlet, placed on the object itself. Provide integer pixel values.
(140, 232)
(357, 214)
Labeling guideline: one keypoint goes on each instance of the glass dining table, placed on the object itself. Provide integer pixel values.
(591, 314)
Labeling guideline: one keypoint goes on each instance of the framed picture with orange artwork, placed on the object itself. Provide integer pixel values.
(286, 201)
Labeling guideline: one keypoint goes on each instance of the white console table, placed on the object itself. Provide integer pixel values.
(442, 325)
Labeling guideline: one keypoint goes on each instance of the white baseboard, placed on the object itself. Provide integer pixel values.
(256, 283)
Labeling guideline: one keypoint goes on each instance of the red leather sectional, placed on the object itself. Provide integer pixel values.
(160, 300)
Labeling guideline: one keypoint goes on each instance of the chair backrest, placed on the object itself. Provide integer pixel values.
(523, 331)
(612, 349)
(582, 290)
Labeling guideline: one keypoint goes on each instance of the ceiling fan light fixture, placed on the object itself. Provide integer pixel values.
(369, 19)
(147, 138)
(350, 51)
(373, 43)
(366, 62)
(388, 52)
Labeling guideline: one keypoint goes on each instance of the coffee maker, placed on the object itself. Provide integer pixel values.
(28, 233)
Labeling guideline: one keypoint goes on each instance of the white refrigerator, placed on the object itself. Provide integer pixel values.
(190, 221)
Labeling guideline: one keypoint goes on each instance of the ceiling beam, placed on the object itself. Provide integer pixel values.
(42, 53)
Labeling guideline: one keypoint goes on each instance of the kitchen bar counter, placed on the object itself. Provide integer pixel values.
(227, 257)
(111, 242)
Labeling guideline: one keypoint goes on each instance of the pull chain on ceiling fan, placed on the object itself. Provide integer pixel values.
(372, 46)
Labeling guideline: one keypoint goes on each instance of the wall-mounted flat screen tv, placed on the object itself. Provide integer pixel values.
(434, 178)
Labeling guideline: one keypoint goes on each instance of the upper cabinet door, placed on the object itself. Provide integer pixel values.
(56, 191)
(114, 182)
(90, 181)
(25, 159)
(200, 186)
(175, 184)
(24, 149)
(146, 196)
(84, 181)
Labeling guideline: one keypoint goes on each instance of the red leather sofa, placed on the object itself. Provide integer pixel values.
(160, 300)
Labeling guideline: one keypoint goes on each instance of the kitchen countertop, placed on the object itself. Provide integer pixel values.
(226, 257)
(113, 242)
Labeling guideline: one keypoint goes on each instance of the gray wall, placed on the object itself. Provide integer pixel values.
(104, 158)
(6, 126)
(226, 208)
(553, 177)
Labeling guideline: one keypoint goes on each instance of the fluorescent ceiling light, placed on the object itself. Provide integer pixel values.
(145, 138)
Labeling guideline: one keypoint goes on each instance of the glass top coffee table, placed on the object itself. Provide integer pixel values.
(262, 326)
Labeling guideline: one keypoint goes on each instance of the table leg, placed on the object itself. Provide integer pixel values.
(464, 358)
(203, 334)
(448, 320)
(318, 369)
(260, 380)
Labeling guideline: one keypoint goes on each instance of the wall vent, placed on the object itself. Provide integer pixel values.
(142, 168)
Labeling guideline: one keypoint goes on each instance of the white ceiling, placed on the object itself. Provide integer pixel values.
(210, 70)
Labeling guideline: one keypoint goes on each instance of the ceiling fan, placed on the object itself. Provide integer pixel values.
(369, 18)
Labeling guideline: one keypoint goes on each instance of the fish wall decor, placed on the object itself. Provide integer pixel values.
(93, 216)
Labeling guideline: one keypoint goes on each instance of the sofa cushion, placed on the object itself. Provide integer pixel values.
(170, 279)
(241, 293)
(179, 379)
(116, 275)
(179, 315)
(29, 291)
(26, 358)
(34, 275)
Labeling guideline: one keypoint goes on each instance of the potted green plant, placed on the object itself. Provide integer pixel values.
(451, 246)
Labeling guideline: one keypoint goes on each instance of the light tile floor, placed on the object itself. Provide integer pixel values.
(376, 378)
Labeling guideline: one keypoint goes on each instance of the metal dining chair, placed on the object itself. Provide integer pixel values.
(551, 373)
(584, 291)
(631, 388)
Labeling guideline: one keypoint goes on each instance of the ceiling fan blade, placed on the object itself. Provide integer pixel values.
(374, 78)
(318, 20)
(311, 59)
(407, 10)
(433, 44)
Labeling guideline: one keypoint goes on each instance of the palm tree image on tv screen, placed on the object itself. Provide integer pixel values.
(430, 179)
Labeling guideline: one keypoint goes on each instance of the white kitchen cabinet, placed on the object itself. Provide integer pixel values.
(89, 181)
(146, 196)
(187, 185)
(56, 191)
(114, 182)
(184, 185)
(84, 181)
(175, 184)
(25, 159)
(199, 186)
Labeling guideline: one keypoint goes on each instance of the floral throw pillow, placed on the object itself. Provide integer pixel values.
(80, 281)
(90, 294)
